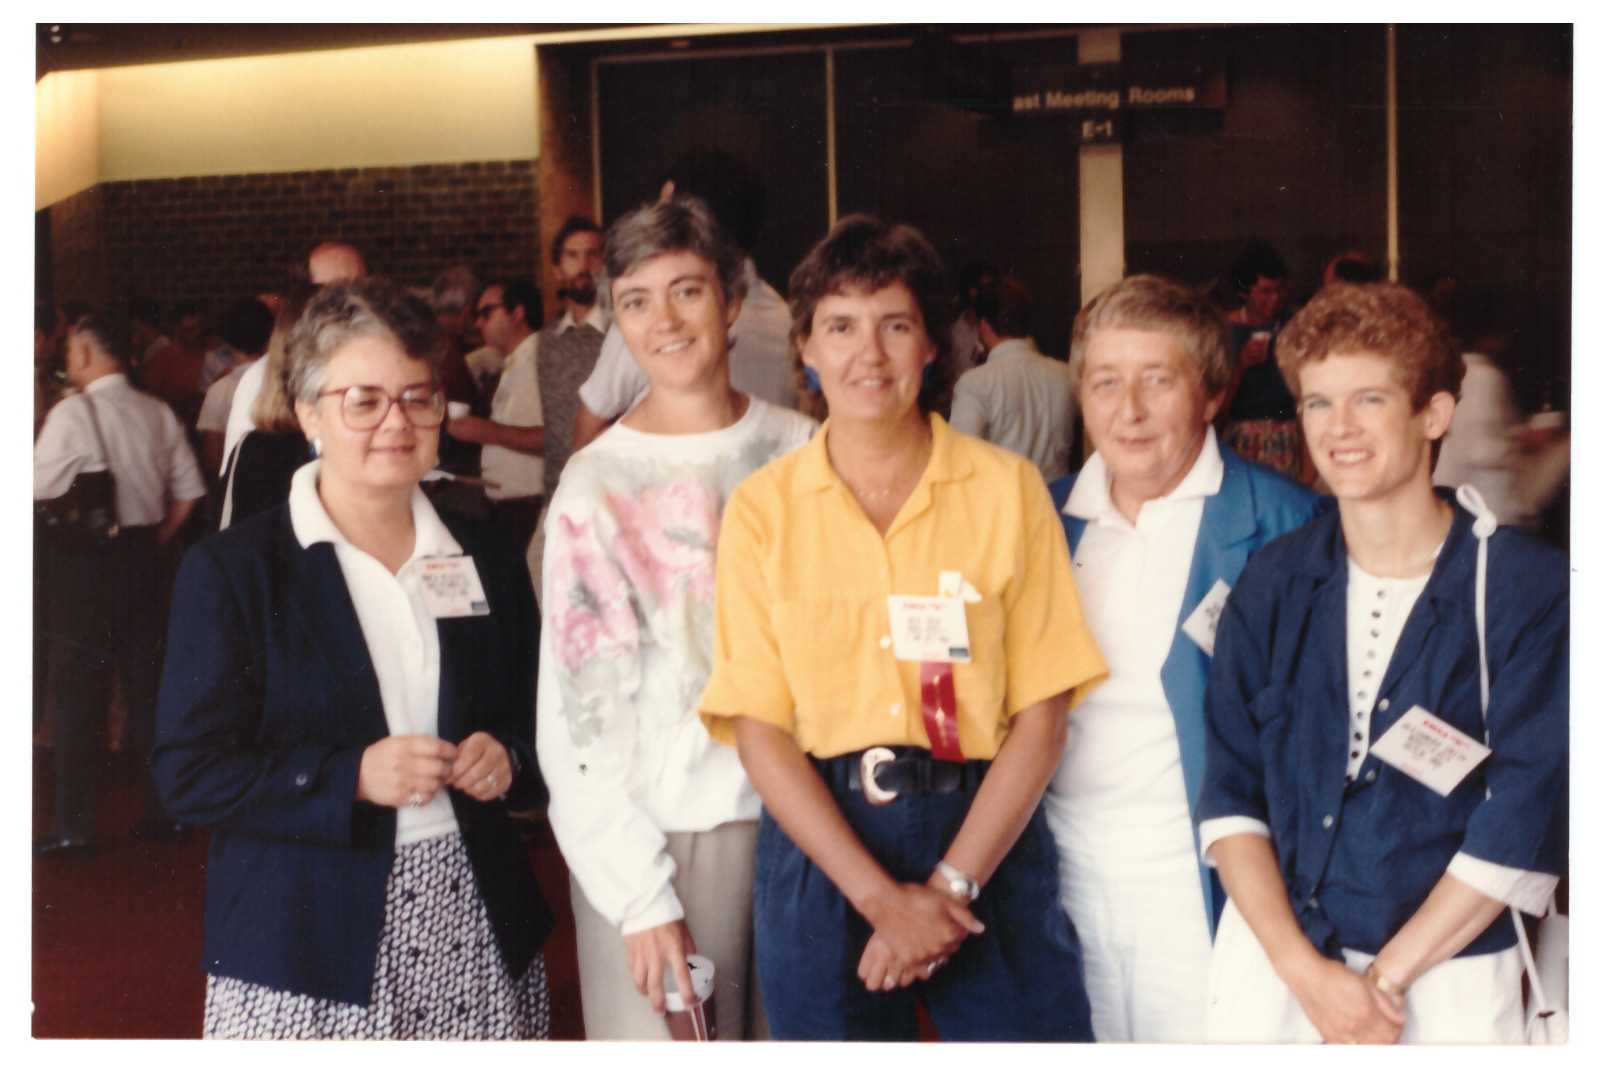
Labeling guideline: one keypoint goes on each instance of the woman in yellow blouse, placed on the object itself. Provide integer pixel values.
(895, 621)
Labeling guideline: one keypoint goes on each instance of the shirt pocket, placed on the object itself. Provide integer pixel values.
(981, 683)
(830, 648)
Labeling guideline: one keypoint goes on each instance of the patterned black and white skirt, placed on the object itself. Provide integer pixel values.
(439, 972)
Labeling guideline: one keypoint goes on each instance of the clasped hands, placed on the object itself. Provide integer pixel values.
(1345, 1006)
(916, 928)
(409, 770)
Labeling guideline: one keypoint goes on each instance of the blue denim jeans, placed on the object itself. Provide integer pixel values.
(1020, 980)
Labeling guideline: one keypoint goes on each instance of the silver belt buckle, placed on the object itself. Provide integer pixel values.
(872, 759)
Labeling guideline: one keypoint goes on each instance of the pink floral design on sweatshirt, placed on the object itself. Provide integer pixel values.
(666, 537)
(590, 615)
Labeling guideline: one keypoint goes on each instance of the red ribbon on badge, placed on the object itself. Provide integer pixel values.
(940, 710)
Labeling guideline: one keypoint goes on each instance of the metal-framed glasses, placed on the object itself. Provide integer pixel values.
(363, 407)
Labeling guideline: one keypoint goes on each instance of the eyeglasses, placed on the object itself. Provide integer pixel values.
(484, 310)
(364, 408)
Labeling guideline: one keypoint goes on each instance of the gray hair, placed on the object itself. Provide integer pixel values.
(1157, 303)
(361, 308)
(682, 224)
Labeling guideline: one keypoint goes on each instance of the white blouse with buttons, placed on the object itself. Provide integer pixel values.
(402, 635)
(1376, 609)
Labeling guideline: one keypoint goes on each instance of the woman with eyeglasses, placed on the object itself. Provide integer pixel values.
(348, 704)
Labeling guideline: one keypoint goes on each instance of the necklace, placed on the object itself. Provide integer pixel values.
(900, 483)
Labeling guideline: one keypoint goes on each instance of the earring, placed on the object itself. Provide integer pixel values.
(317, 446)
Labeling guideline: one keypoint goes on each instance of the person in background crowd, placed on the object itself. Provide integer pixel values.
(898, 640)
(1369, 895)
(49, 331)
(1019, 398)
(513, 435)
(454, 297)
(1440, 290)
(327, 262)
(347, 704)
(1160, 522)
(1515, 467)
(976, 287)
(172, 372)
(107, 600)
(566, 353)
(144, 333)
(1259, 414)
(1352, 266)
(569, 347)
(257, 476)
(657, 823)
(335, 262)
(49, 327)
(760, 361)
(247, 326)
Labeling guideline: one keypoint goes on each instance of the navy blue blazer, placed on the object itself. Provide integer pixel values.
(1358, 860)
(268, 699)
(1253, 505)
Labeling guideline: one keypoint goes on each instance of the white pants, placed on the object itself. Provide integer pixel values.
(1143, 930)
(1470, 999)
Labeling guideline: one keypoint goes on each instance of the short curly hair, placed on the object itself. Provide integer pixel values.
(1383, 319)
(1157, 303)
(864, 252)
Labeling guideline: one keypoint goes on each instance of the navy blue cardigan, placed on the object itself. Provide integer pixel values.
(269, 698)
(1358, 860)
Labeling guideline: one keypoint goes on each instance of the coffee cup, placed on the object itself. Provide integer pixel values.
(695, 1020)
(457, 410)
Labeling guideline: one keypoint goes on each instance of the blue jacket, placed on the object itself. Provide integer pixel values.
(1253, 506)
(269, 698)
(1359, 860)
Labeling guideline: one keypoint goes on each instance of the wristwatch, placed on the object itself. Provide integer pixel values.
(1396, 994)
(959, 883)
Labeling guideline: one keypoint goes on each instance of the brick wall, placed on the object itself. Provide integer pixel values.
(214, 238)
(77, 237)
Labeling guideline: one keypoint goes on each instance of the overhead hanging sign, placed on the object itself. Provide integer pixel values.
(1109, 89)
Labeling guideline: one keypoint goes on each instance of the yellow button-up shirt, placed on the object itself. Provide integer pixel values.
(803, 585)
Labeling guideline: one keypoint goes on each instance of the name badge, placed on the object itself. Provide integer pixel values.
(1430, 751)
(451, 587)
(1202, 624)
(929, 629)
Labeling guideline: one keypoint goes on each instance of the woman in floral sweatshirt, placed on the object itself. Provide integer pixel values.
(656, 822)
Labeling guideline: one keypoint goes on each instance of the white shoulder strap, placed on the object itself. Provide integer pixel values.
(1484, 525)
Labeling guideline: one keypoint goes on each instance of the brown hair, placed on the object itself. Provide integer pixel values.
(1383, 319)
(1157, 303)
(274, 410)
(864, 252)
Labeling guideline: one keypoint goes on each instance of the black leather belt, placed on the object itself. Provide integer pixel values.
(882, 773)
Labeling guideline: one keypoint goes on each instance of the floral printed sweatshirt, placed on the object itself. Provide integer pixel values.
(626, 647)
